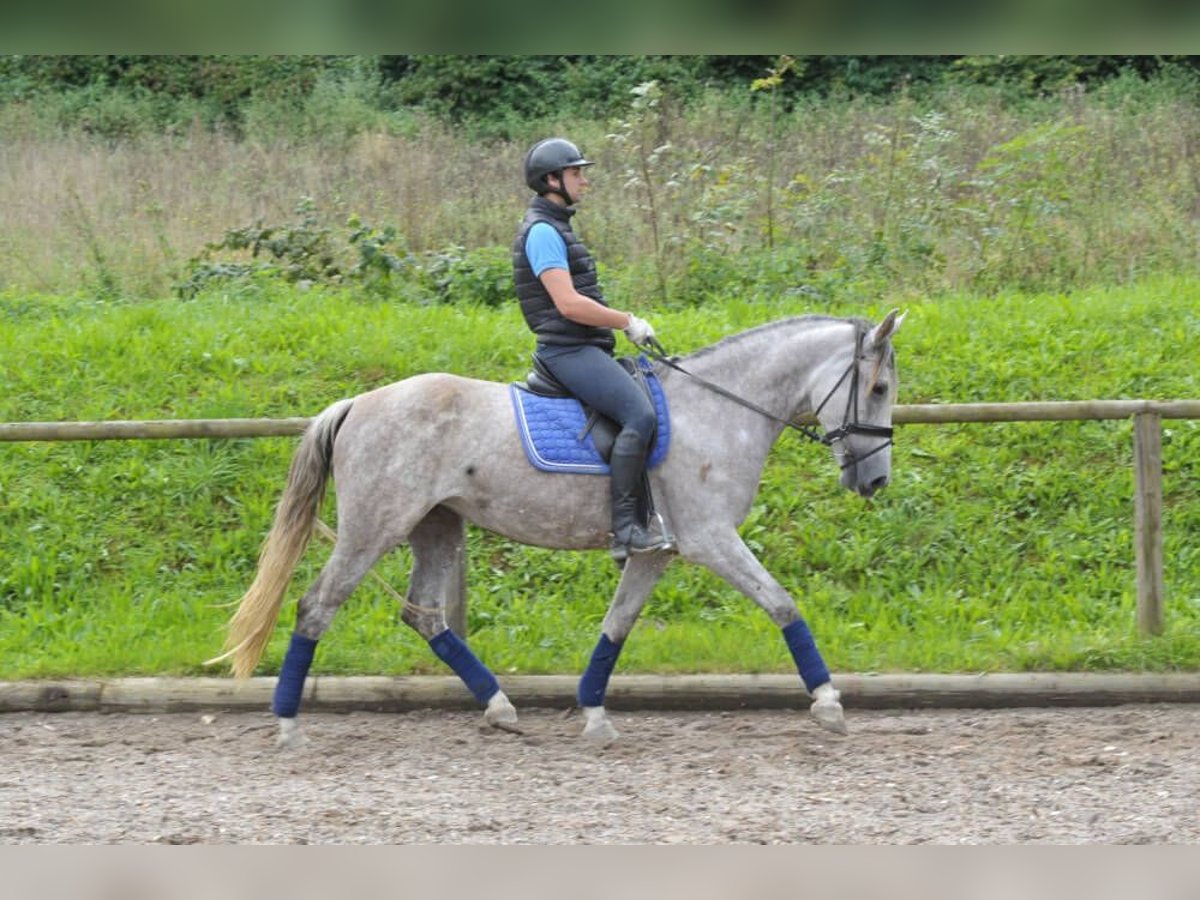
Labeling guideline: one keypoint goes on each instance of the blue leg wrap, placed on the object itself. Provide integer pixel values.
(594, 683)
(458, 656)
(290, 686)
(805, 653)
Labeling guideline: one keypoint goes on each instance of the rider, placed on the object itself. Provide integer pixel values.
(563, 305)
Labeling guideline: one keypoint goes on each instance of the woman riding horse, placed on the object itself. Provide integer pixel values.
(560, 296)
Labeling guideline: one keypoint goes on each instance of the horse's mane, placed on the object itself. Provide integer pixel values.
(778, 325)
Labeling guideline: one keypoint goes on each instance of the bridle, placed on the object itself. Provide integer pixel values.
(850, 423)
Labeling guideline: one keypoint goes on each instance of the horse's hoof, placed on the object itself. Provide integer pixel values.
(500, 713)
(290, 736)
(829, 715)
(601, 734)
(599, 729)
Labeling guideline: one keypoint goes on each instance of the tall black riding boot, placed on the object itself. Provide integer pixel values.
(628, 465)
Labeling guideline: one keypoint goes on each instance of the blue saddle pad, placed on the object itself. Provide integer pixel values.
(550, 429)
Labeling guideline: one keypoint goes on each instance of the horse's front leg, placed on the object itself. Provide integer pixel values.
(728, 556)
(640, 575)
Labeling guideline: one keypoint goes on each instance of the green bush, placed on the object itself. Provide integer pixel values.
(499, 93)
(308, 253)
(299, 252)
(457, 275)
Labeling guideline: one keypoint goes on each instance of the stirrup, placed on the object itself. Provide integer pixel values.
(653, 540)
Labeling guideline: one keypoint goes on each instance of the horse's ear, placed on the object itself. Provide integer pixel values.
(890, 325)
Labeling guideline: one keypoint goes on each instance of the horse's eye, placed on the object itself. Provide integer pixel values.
(880, 389)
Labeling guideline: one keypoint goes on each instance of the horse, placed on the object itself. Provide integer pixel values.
(414, 461)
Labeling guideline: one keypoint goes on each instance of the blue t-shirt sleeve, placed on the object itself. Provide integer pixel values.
(545, 249)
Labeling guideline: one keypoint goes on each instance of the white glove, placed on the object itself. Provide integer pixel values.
(638, 330)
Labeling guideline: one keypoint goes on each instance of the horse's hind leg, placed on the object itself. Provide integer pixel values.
(438, 578)
(340, 576)
(638, 578)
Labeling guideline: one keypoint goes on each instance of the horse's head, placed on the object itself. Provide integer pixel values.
(856, 411)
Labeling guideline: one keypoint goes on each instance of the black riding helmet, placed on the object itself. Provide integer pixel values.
(551, 156)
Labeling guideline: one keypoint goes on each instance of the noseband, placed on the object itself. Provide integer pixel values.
(850, 424)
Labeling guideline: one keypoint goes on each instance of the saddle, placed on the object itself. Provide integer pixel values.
(562, 434)
(541, 381)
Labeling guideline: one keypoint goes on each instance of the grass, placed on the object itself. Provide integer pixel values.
(1002, 547)
(959, 189)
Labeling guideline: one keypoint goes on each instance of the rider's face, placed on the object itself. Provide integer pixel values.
(574, 182)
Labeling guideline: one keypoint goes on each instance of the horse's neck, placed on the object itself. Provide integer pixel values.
(777, 366)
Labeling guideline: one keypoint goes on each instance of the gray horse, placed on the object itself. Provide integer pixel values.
(414, 461)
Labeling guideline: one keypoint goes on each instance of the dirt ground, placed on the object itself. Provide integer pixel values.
(1128, 774)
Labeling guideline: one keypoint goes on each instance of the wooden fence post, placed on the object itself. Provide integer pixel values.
(1147, 531)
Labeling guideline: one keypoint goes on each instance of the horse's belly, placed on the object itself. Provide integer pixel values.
(556, 511)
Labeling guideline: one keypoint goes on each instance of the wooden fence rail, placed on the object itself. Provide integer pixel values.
(1147, 416)
(913, 414)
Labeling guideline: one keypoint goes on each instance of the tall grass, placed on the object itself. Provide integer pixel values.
(997, 547)
(958, 190)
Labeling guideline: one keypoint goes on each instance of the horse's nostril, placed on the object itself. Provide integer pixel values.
(869, 488)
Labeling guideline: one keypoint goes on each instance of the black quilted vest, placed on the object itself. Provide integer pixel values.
(542, 316)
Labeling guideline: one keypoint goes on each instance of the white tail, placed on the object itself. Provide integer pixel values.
(252, 624)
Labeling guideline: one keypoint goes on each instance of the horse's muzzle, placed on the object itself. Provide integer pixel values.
(865, 487)
(869, 489)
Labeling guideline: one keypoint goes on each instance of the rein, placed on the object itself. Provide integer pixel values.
(850, 424)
